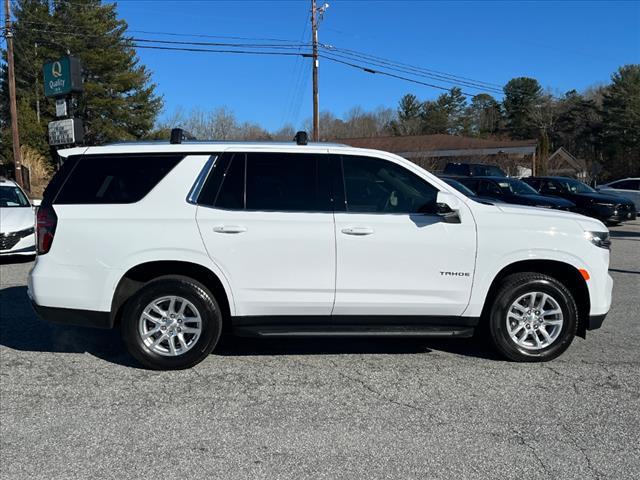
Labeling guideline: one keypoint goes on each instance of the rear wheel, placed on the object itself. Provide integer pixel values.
(171, 323)
(534, 318)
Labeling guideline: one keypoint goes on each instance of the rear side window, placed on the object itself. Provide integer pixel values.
(286, 182)
(113, 179)
(231, 194)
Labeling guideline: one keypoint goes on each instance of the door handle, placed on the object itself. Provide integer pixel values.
(357, 231)
(229, 229)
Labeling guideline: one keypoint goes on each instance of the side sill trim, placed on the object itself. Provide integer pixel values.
(432, 331)
(335, 321)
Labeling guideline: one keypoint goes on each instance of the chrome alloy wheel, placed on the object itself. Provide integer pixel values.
(534, 320)
(170, 326)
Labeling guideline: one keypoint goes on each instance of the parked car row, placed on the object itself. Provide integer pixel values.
(614, 203)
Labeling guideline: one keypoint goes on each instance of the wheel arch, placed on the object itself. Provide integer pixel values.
(136, 277)
(564, 272)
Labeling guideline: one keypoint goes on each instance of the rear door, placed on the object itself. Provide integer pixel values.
(266, 220)
(395, 255)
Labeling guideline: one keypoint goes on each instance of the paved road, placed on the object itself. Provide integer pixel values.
(74, 406)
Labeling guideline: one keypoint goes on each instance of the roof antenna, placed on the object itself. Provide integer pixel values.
(301, 138)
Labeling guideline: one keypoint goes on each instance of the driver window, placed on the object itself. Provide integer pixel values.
(550, 186)
(489, 188)
(373, 185)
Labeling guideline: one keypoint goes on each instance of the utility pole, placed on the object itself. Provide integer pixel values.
(314, 33)
(13, 107)
(316, 16)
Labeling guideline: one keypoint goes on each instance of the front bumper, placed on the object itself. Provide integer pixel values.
(71, 316)
(16, 244)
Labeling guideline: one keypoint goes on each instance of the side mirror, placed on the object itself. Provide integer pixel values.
(36, 202)
(448, 207)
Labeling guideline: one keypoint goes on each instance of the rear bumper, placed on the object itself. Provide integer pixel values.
(595, 321)
(71, 316)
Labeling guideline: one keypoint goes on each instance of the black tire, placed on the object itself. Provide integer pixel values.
(510, 289)
(195, 293)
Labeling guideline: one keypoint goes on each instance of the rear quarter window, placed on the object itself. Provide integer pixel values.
(113, 179)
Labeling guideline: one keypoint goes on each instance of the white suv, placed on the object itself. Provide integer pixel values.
(179, 243)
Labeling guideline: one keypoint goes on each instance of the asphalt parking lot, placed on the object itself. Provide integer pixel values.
(74, 405)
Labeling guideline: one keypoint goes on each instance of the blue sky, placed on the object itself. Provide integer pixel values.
(565, 45)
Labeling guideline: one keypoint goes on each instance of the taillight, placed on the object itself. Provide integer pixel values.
(45, 228)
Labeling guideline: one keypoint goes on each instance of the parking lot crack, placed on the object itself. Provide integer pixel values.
(522, 441)
(584, 453)
(374, 391)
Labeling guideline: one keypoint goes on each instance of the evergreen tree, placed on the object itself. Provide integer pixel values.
(446, 114)
(118, 101)
(409, 112)
(621, 122)
(521, 97)
(484, 115)
(578, 126)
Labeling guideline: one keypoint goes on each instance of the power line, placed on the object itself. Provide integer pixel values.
(176, 34)
(479, 85)
(387, 66)
(296, 85)
(335, 55)
(211, 50)
(421, 69)
(370, 70)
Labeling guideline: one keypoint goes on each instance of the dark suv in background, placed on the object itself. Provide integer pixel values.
(512, 190)
(607, 208)
(473, 170)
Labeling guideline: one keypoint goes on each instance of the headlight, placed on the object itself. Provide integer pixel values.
(599, 239)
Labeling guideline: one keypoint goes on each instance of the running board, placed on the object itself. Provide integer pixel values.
(352, 331)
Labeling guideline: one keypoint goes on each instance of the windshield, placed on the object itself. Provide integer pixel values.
(460, 187)
(575, 186)
(516, 187)
(12, 197)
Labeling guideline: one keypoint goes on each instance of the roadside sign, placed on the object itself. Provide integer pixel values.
(61, 107)
(66, 132)
(62, 77)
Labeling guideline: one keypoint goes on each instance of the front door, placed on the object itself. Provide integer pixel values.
(395, 255)
(267, 222)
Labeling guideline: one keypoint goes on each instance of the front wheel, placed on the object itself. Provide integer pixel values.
(171, 323)
(534, 318)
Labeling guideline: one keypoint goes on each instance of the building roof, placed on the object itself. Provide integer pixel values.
(441, 145)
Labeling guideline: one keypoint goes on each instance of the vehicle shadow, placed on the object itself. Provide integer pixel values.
(236, 346)
(21, 329)
(11, 259)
